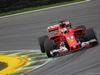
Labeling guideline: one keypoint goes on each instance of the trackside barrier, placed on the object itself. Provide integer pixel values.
(14, 62)
(10, 5)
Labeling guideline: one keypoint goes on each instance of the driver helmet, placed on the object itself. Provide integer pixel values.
(62, 25)
(63, 28)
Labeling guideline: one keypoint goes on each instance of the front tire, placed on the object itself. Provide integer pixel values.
(41, 41)
(90, 34)
(49, 46)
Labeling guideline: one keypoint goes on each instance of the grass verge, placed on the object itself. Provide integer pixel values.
(36, 8)
(3, 65)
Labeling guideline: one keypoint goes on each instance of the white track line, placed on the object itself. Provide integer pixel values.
(39, 66)
(36, 50)
(30, 62)
(37, 56)
(44, 9)
(15, 53)
(28, 54)
(29, 67)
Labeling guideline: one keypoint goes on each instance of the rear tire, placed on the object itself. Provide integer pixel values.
(49, 46)
(41, 41)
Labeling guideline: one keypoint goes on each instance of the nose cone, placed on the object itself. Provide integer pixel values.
(70, 38)
(74, 47)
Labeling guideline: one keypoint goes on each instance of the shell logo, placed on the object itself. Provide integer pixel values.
(71, 40)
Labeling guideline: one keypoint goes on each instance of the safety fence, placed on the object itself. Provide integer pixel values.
(10, 5)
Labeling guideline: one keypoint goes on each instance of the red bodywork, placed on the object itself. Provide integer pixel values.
(70, 36)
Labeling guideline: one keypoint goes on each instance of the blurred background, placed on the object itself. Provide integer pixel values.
(10, 5)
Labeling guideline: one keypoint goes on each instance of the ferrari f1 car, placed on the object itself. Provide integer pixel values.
(66, 39)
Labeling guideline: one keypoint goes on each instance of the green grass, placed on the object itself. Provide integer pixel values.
(3, 65)
(36, 8)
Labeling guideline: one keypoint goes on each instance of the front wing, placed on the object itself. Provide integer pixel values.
(65, 50)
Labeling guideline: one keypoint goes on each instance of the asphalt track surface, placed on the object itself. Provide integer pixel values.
(21, 32)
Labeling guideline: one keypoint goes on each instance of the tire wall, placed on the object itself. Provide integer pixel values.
(10, 5)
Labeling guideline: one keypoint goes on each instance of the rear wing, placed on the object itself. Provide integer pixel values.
(56, 27)
(67, 23)
(52, 28)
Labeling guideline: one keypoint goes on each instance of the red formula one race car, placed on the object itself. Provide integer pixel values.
(66, 39)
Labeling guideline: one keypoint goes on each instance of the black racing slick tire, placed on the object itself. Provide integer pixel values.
(81, 26)
(90, 34)
(41, 41)
(49, 46)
